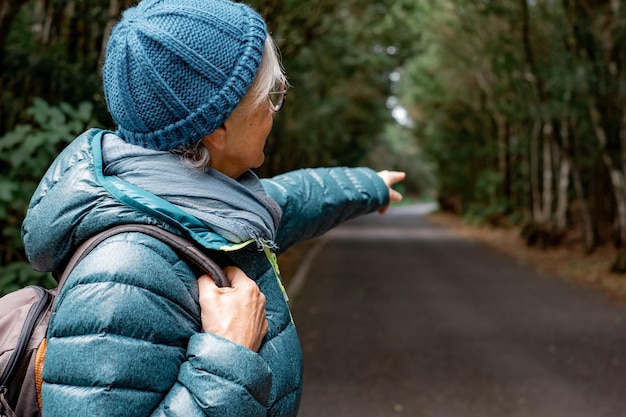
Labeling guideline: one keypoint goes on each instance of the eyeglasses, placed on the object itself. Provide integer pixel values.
(277, 97)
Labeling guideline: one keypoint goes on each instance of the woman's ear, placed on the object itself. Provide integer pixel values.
(215, 140)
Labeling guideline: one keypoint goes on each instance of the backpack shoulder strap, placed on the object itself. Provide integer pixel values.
(181, 246)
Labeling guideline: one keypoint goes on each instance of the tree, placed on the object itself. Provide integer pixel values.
(338, 55)
(516, 105)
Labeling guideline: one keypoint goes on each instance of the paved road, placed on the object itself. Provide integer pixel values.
(398, 317)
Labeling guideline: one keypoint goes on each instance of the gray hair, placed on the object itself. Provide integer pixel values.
(196, 155)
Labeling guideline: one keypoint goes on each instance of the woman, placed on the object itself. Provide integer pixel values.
(193, 86)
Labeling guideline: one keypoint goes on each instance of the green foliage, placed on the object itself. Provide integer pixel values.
(488, 185)
(338, 57)
(397, 150)
(25, 154)
(29, 149)
(488, 102)
(20, 274)
(487, 206)
(52, 51)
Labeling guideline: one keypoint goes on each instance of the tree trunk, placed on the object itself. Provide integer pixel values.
(560, 215)
(483, 75)
(619, 266)
(616, 175)
(8, 12)
(585, 214)
(547, 194)
(588, 230)
(534, 171)
(577, 42)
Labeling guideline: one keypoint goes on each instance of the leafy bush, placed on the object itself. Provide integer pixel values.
(487, 205)
(25, 154)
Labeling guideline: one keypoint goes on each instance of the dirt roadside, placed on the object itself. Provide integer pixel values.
(568, 261)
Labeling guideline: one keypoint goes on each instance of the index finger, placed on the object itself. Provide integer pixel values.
(392, 177)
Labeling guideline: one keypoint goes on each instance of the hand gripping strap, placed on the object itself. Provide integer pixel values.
(181, 246)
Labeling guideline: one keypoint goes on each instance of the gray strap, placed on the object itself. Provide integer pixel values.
(181, 246)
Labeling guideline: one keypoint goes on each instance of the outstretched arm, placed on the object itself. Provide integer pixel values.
(314, 201)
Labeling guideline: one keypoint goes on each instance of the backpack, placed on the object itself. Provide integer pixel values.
(25, 313)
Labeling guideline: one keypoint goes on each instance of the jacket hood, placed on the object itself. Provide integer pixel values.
(74, 201)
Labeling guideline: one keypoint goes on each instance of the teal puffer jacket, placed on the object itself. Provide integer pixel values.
(125, 338)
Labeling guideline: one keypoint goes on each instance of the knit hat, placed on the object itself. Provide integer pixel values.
(175, 69)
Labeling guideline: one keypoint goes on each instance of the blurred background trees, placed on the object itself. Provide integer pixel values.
(338, 55)
(516, 108)
(522, 104)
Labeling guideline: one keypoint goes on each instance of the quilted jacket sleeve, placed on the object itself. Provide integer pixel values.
(125, 340)
(316, 200)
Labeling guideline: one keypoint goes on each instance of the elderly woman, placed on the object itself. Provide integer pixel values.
(192, 86)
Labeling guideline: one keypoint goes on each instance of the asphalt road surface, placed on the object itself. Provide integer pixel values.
(398, 317)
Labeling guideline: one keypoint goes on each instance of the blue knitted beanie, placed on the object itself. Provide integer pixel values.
(175, 69)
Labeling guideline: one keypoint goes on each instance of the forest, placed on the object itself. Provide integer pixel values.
(508, 112)
(526, 118)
